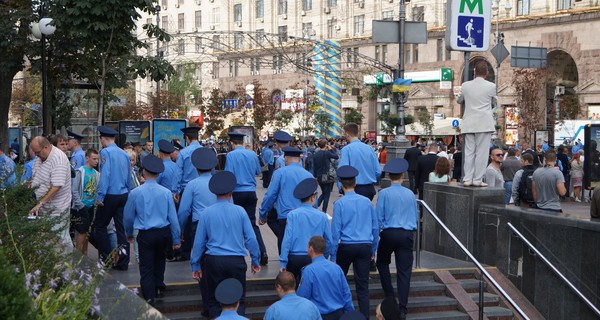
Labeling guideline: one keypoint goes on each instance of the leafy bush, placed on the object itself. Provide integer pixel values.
(15, 302)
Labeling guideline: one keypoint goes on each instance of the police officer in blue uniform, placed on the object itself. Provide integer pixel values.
(281, 190)
(268, 158)
(397, 216)
(188, 173)
(195, 199)
(355, 233)
(113, 188)
(245, 166)
(74, 145)
(290, 306)
(228, 294)
(324, 283)
(224, 234)
(363, 158)
(283, 140)
(303, 223)
(171, 176)
(151, 210)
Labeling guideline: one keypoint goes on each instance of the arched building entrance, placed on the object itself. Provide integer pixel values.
(562, 100)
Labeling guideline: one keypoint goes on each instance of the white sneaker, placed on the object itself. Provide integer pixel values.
(577, 200)
(482, 184)
(467, 183)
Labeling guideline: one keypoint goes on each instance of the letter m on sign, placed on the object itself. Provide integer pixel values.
(472, 5)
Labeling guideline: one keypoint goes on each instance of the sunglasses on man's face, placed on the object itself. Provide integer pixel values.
(499, 155)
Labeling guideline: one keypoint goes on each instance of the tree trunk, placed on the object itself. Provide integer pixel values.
(6, 80)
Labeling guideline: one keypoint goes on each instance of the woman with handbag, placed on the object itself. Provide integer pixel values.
(324, 171)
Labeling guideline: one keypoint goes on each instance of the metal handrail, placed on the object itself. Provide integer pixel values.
(553, 268)
(470, 255)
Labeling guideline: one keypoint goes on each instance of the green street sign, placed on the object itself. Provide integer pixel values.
(446, 74)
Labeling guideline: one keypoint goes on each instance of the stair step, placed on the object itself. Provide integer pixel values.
(192, 315)
(431, 302)
(489, 299)
(447, 315)
(498, 313)
(463, 273)
(471, 285)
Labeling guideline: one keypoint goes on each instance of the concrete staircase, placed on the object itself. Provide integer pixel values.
(439, 294)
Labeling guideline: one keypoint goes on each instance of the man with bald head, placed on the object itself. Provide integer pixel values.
(51, 179)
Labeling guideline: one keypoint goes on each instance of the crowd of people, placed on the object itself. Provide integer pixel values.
(160, 203)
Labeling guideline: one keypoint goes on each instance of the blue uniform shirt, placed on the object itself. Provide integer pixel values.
(363, 158)
(397, 208)
(195, 199)
(230, 315)
(267, 156)
(303, 223)
(8, 177)
(279, 159)
(281, 189)
(184, 162)
(170, 177)
(324, 284)
(115, 169)
(223, 230)
(28, 170)
(245, 166)
(293, 307)
(150, 206)
(354, 221)
(77, 158)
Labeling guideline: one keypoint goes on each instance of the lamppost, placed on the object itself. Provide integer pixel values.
(308, 34)
(40, 30)
(400, 97)
(499, 36)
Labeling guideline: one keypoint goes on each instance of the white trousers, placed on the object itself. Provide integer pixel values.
(475, 156)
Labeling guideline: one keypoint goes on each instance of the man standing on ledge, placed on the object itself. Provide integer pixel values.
(478, 124)
(363, 158)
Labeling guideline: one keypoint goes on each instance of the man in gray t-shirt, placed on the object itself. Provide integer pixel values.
(548, 184)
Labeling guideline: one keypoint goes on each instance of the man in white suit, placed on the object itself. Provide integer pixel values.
(477, 125)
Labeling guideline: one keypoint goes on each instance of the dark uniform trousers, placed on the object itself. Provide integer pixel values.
(281, 224)
(359, 255)
(152, 245)
(267, 176)
(248, 200)
(367, 190)
(112, 209)
(272, 223)
(219, 268)
(336, 315)
(400, 242)
(295, 265)
(411, 180)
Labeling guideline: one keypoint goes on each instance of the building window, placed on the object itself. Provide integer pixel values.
(149, 21)
(418, 13)
(448, 54)
(355, 65)
(198, 19)
(181, 2)
(377, 53)
(215, 17)
(164, 3)
(359, 25)
(352, 57)
(260, 36)
(522, 7)
(151, 49)
(238, 41)
(278, 62)
(216, 42)
(181, 46)
(440, 49)
(198, 44)
(215, 70)
(306, 5)
(415, 53)
(384, 53)
(255, 65)
(407, 54)
(260, 8)
(165, 23)
(563, 4)
(306, 29)
(388, 15)
(331, 3)
(237, 12)
(282, 7)
(233, 68)
(282, 32)
(180, 22)
(331, 28)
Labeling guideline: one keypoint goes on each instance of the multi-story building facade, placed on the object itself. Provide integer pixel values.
(233, 42)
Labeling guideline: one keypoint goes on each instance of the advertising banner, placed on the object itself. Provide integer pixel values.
(511, 132)
(134, 131)
(168, 129)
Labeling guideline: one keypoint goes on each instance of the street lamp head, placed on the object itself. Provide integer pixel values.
(46, 26)
(495, 5)
(35, 30)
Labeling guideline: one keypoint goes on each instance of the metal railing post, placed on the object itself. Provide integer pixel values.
(418, 253)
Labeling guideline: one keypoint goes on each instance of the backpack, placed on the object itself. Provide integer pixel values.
(525, 189)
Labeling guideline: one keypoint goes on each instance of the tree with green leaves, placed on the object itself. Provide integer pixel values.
(530, 85)
(97, 41)
(213, 112)
(353, 116)
(391, 121)
(426, 120)
(322, 122)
